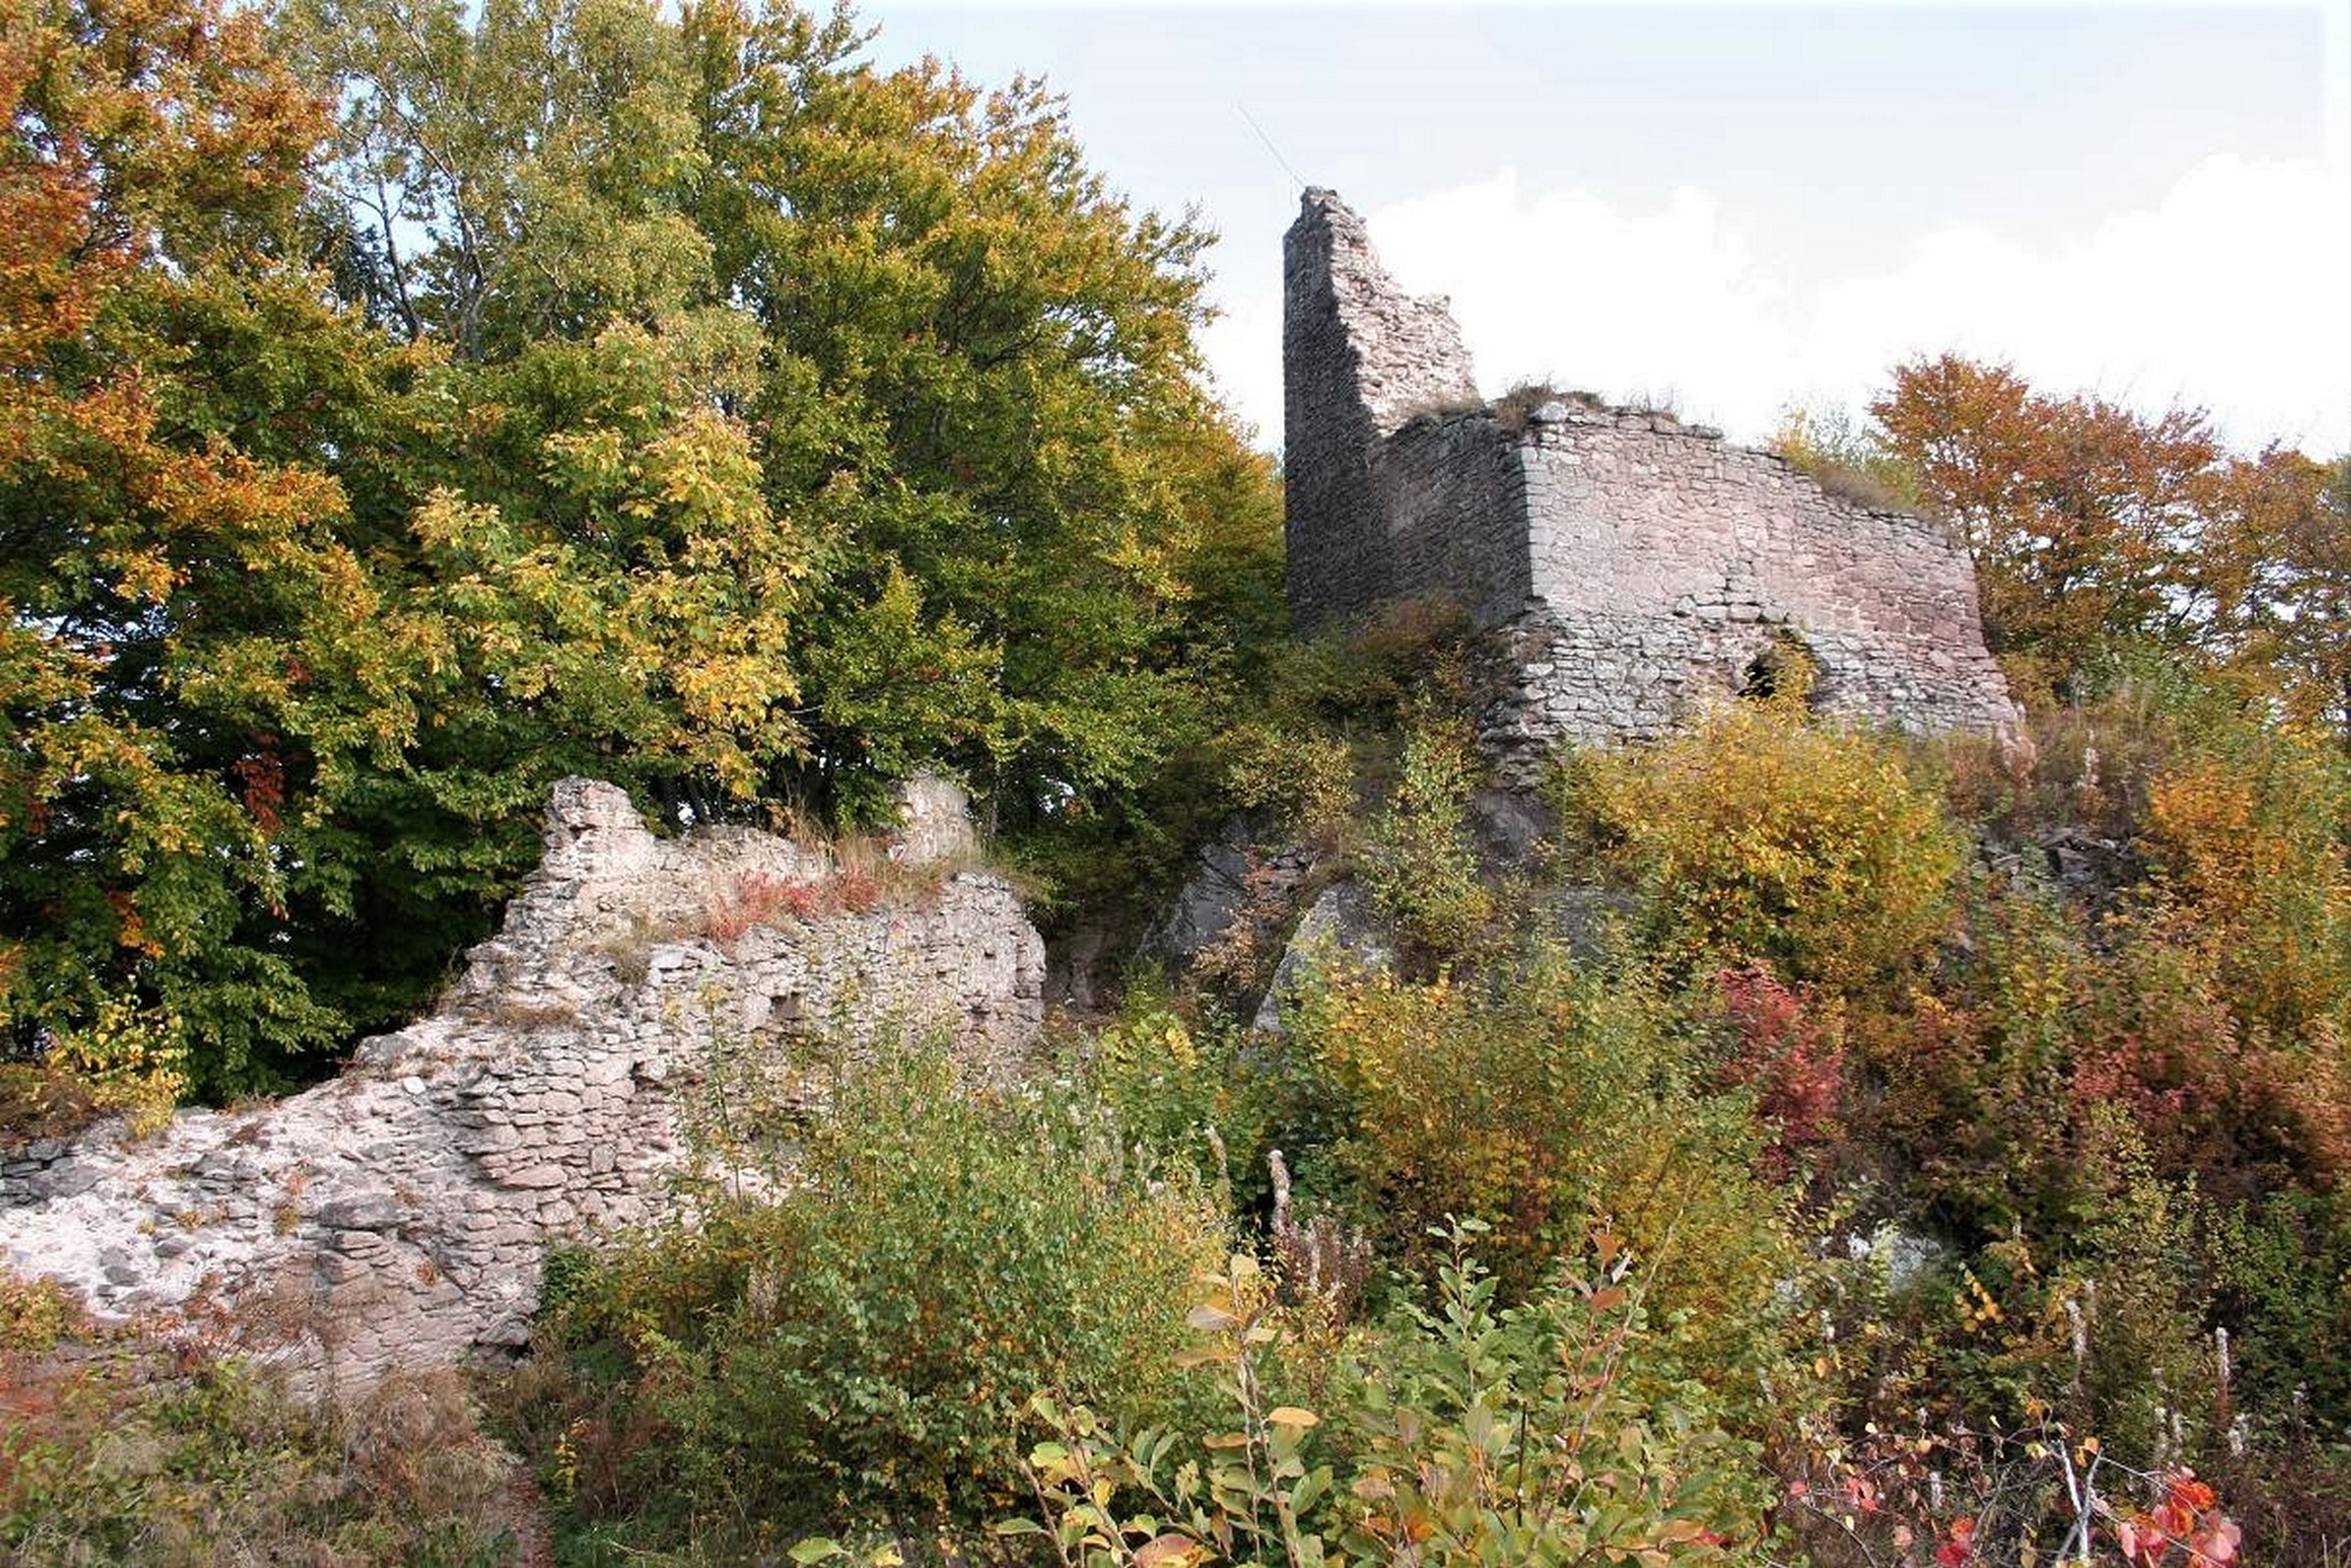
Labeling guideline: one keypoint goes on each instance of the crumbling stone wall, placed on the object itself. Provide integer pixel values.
(1628, 564)
(1360, 361)
(1453, 496)
(399, 1215)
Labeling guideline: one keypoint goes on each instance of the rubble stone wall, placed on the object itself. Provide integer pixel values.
(1628, 564)
(1360, 359)
(399, 1215)
(1451, 496)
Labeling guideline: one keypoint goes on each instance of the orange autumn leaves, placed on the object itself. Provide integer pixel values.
(2094, 527)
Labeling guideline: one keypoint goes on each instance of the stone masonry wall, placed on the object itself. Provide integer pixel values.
(399, 1215)
(1629, 566)
(1665, 561)
(1360, 359)
(1452, 494)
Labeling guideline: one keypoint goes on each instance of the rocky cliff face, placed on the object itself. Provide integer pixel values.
(606, 1040)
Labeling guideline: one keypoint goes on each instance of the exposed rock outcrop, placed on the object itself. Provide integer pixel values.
(1340, 923)
(399, 1215)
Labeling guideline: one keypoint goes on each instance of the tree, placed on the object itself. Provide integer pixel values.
(2084, 519)
(2093, 528)
(188, 648)
(501, 392)
(2280, 567)
(963, 368)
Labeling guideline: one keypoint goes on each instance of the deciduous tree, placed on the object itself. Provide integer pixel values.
(189, 650)
(2082, 517)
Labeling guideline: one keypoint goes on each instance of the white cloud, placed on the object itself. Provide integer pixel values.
(1561, 286)
(2233, 292)
(1243, 350)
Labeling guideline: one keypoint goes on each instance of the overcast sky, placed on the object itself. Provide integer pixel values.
(1741, 205)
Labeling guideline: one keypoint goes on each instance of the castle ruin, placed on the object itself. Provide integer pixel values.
(1628, 565)
(648, 1022)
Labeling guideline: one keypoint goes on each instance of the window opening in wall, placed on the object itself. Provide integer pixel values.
(1785, 672)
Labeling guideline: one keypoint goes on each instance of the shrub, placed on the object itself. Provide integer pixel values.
(2246, 836)
(1515, 410)
(1418, 860)
(1536, 1102)
(1305, 777)
(1467, 1432)
(1757, 836)
(35, 1315)
(861, 1348)
(39, 1102)
(133, 1458)
(2282, 1266)
(2084, 765)
(129, 1059)
(1197, 1090)
(1961, 1093)
(1793, 1057)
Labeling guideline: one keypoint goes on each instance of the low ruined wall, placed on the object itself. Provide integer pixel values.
(399, 1215)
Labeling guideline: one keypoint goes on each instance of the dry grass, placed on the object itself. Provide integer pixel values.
(1848, 462)
(1861, 486)
(150, 1451)
(1516, 409)
(41, 1103)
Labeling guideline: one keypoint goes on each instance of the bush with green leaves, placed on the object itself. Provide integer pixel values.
(138, 1455)
(1419, 859)
(1462, 1431)
(1539, 1099)
(858, 1348)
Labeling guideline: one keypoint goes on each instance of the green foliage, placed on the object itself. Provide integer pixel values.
(1303, 777)
(2281, 1264)
(1418, 860)
(1753, 836)
(1464, 1433)
(960, 366)
(193, 648)
(116, 1460)
(862, 1347)
(1539, 1101)
(694, 407)
(1186, 1088)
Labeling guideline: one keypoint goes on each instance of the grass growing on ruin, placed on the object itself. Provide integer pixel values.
(1847, 462)
(40, 1102)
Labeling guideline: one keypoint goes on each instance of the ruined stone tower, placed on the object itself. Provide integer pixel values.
(1627, 563)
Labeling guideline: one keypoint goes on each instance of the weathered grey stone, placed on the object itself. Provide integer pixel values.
(1228, 877)
(1626, 565)
(1340, 926)
(399, 1215)
(935, 823)
(367, 1210)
